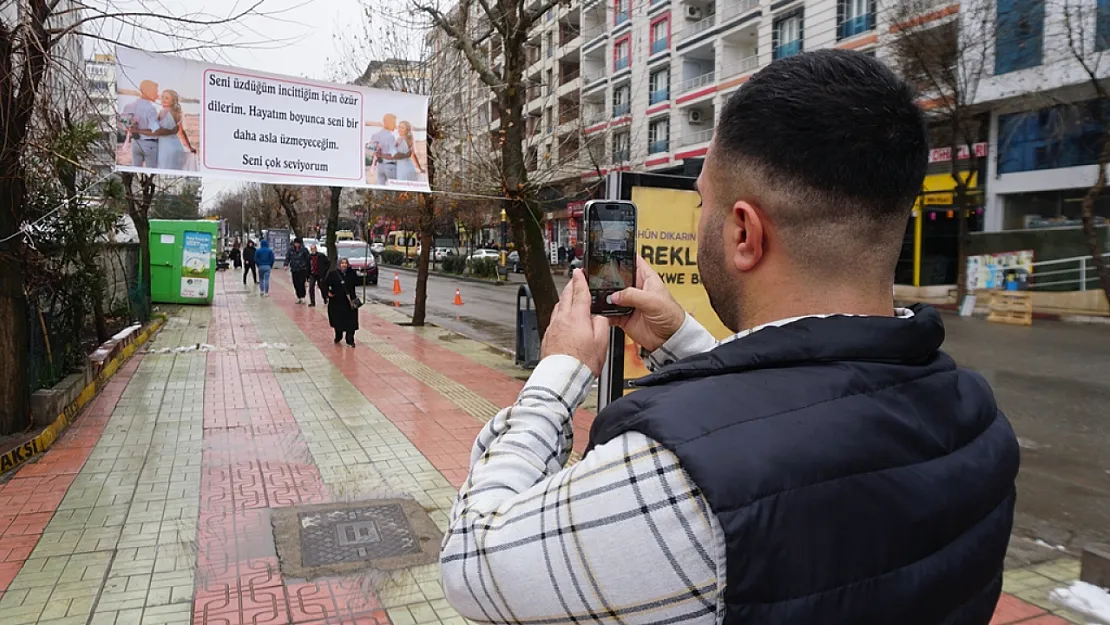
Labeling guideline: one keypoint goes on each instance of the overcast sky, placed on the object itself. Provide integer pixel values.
(295, 37)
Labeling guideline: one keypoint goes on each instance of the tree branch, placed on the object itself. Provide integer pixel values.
(463, 40)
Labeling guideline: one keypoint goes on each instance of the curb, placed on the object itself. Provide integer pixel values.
(447, 275)
(39, 444)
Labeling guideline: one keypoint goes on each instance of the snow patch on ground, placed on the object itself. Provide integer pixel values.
(1048, 546)
(205, 347)
(1086, 599)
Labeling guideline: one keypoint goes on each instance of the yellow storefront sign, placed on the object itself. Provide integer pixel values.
(667, 233)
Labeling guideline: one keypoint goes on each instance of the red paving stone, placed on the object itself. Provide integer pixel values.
(1010, 609)
(31, 497)
(254, 460)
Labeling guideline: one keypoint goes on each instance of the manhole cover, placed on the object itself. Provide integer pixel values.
(332, 539)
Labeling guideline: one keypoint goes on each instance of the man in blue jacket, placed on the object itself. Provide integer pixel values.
(827, 464)
(264, 259)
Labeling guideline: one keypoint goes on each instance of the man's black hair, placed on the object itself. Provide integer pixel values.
(836, 126)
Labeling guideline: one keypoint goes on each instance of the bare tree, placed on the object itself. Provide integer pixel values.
(1085, 45)
(928, 48)
(288, 197)
(138, 208)
(37, 39)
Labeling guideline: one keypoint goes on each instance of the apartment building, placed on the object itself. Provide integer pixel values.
(659, 71)
(100, 85)
(1045, 126)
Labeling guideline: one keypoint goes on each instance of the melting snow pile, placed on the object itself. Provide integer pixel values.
(205, 347)
(1086, 599)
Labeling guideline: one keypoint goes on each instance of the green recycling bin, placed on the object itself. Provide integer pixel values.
(183, 261)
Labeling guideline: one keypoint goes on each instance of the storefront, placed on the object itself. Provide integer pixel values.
(930, 249)
(564, 227)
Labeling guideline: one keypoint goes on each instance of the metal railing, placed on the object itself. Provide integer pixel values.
(739, 8)
(742, 66)
(659, 95)
(621, 63)
(620, 156)
(593, 77)
(621, 18)
(694, 138)
(699, 26)
(1077, 272)
(658, 46)
(621, 109)
(697, 81)
(660, 146)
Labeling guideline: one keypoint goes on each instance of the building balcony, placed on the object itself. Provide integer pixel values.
(620, 18)
(620, 156)
(621, 63)
(707, 78)
(743, 66)
(659, 147)
(855, 26)
(739, 8)
(658, 46)
(694, 138)
(621, 109)
(697, 27)
(659, 95)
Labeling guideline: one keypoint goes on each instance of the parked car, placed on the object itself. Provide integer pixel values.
(365, 266)
(482, 255)
(440, 253)
(377, 247)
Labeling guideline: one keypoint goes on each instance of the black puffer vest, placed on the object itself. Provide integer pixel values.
(859, 476)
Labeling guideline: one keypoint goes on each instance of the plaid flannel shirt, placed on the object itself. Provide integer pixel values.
(622, 537)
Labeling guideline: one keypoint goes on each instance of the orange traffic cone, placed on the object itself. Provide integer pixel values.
(396, 283)
(458, 298)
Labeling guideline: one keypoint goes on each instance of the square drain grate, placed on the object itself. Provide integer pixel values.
(332, 539)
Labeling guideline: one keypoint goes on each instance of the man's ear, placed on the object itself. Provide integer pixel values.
(750, 237)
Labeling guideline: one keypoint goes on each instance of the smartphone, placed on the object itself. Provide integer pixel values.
(610, 252)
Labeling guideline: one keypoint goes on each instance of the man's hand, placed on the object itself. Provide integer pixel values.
(573, 331)
(656, 315)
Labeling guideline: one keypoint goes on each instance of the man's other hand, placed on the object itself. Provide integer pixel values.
(656, 316)
(573, 331)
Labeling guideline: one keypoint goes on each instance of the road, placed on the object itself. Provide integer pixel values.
(488, 313)
(1052, 380)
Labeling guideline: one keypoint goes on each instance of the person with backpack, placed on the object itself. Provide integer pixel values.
(264, 258)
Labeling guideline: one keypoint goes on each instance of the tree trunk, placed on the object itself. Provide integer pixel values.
(333, 225)
(427, 233)
(15, 363)
(524, 216)
(288, 201)
(139, 210)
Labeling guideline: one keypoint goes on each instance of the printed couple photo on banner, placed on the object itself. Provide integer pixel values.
(158, 128)
(184, 117)
(397, 154)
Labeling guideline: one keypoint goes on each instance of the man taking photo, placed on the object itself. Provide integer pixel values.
(827, 464)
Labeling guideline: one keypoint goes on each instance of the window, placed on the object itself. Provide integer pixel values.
(659, 82)
(550, 81)
(1019, 42)
(549, 41)
(622, 52)
(622, 101)
(620, 8)
(787, 36)
(1067, 135)
(547, 120)
(659, 136)
(621, 143)
(1102, 25)
(854, 17)
(660, 34)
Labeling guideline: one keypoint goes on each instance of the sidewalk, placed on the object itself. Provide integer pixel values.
(162, 503)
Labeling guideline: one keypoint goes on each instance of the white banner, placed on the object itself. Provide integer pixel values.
(188, 118)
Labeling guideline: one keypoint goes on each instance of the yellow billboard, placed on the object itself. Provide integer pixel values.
(667, 234)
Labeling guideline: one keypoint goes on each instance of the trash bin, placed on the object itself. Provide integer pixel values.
(527, 330)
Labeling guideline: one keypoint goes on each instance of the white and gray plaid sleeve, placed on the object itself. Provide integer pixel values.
(622, 537)
(691, 339)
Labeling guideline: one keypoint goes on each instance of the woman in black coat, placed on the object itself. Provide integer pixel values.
(342, 315)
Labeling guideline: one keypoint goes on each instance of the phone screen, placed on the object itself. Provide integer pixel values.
(611, 249)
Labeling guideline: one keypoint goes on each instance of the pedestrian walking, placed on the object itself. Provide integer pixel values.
(317, 274)
(342, 302)
(827, 463)
(235, 255)
(248, 262)
(300, 266)
(264, 258)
